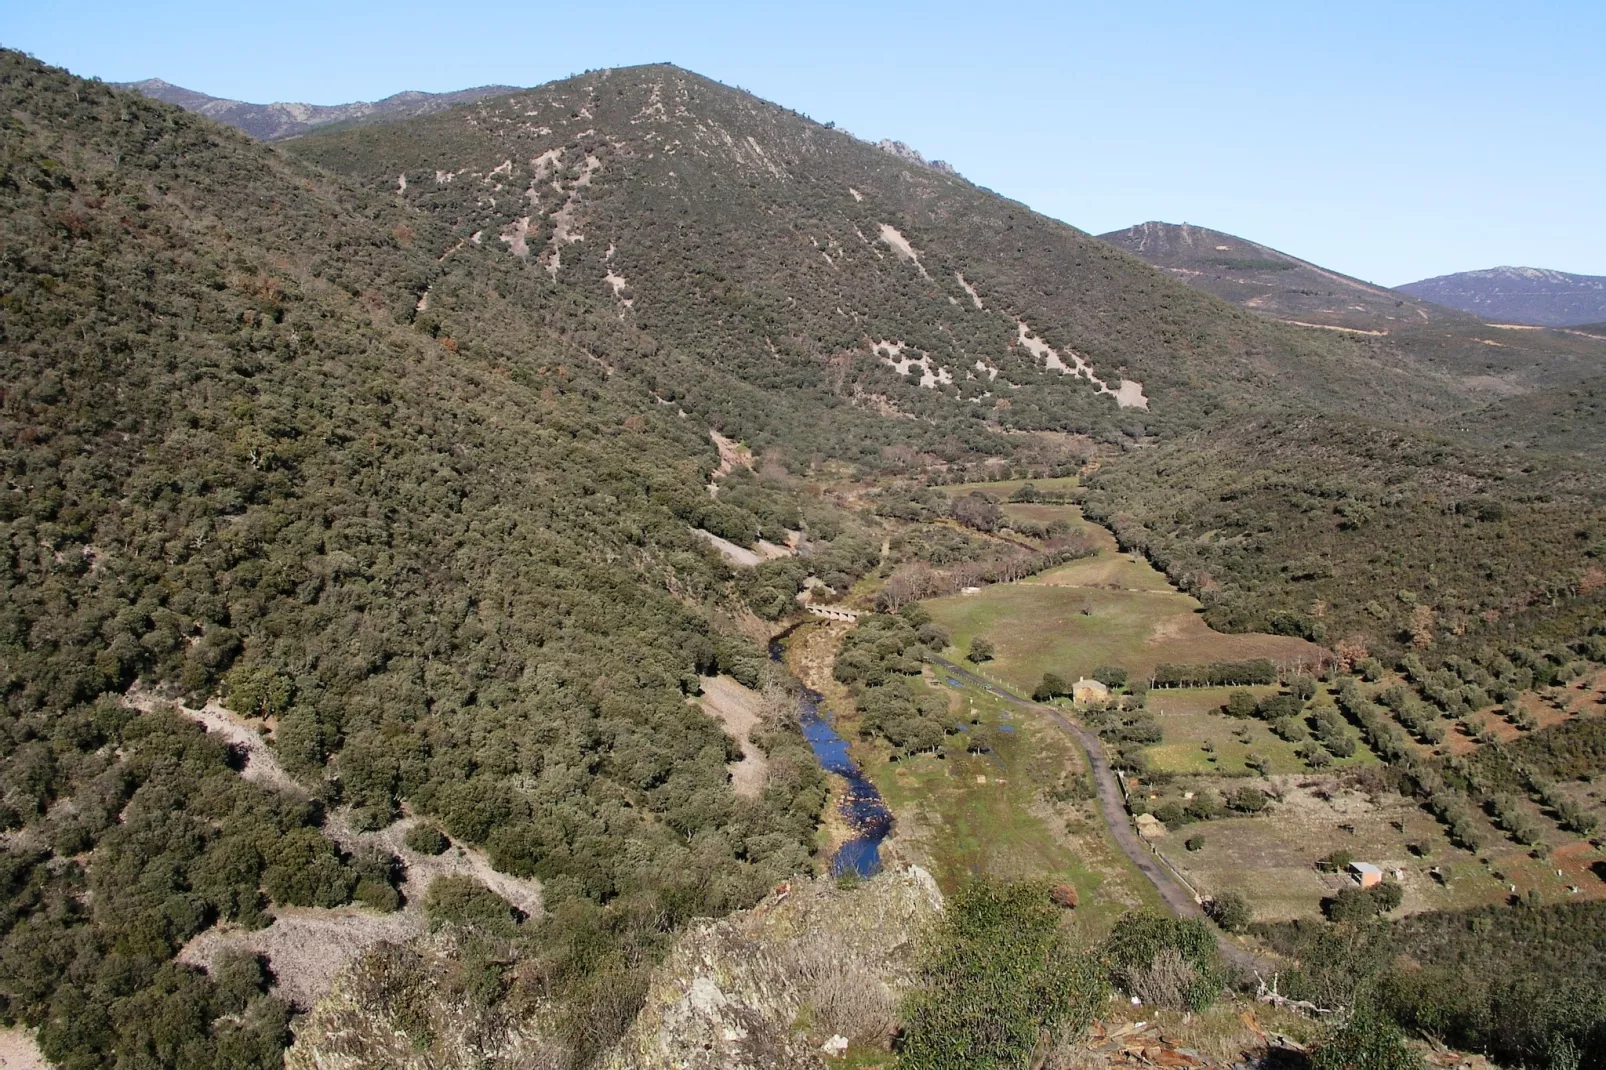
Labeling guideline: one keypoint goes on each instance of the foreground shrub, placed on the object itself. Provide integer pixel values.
(1166, 962)
(426, 839)
(1367, 1041)
(1231, 911)
(466, 902)
(999, 980)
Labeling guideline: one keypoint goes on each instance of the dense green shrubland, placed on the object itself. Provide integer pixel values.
(450, 559)
(440, 548)
(1515, 982)
(1373, 541)
(881, 660)
(137, 833)
(1001, 983)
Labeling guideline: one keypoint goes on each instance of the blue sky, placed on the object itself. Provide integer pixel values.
(1391, 141)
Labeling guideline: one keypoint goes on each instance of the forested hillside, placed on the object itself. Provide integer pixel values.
(412, 444)
(800, 259)
(447, 566)
(645, 184)
(1372, 539)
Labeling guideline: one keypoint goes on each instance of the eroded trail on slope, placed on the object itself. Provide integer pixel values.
(308, 947)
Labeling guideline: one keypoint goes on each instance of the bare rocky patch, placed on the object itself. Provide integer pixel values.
(617, 284)
(931, 376)
(731, 454)
(457, 861)
(19, 1051)
(308, 947)
(899, 244)
(261, 764)
(1129, 394)
(739, 710)
(975, 298)
(741, 555)
(768, 987)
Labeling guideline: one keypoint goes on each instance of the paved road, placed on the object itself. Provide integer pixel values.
(1113, 807)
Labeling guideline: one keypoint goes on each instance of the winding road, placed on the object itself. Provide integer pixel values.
(1112, 806)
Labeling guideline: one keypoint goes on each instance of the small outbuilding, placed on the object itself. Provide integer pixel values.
(1085, 690)
(1150, 827)
(1365, 874)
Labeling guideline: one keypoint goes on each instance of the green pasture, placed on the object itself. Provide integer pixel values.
(1006, 825)
(1003, 488)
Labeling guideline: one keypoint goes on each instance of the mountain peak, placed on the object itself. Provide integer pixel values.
(1268, 281)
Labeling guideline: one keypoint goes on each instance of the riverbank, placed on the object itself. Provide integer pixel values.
(856, 819)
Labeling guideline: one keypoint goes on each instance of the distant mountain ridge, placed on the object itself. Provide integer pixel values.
(1518, 295)
(1269, 281)
(270, 122)
(1533, 373)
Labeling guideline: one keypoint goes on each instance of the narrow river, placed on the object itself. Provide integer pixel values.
(862, 806)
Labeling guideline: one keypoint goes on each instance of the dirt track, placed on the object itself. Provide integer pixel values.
(1177, 898)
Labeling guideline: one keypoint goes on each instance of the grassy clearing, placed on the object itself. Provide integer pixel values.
(1111, 609)
(1039, 626)
(1046, 514)
(1005, 487)
(973, 813)
(1271, 858)
(1114, 571)
(1192, 718)
(1104, 610)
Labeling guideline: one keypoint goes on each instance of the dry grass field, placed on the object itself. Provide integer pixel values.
(1102, 610)
(1200, 739)
(1006, 487)
(1112, 609)
(998, 804)
(987, 812)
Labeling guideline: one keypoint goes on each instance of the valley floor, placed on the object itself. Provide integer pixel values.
(1018, 801)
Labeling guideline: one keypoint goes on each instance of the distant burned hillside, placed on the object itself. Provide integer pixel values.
(1518, 295)
(271, 121)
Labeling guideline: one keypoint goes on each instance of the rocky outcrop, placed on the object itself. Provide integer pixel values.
(904, 152)
(772, 986)
(404, 1007)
